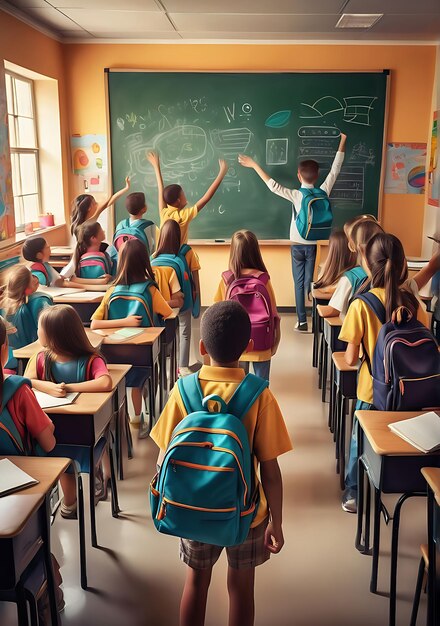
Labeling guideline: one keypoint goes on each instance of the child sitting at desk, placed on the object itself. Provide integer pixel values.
(92, 262)
(20, 305)
(339, 259)
(69, 364)
(133, 300)
(37, 251)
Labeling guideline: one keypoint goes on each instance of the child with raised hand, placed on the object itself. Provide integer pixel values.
(21, 305)
(225, 336)
(349, 283)
(172, 200)
(133, 300)
(385, 264)
(303, 250)
(135, 226)
(248, 282)
(92, 263)
(169, 258)
(37, 251)
(339, 259)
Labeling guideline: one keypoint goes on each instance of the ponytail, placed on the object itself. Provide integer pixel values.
(14, 294)
(80, 209)
(85, 232)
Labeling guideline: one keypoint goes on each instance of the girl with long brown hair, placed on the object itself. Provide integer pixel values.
(339, 259)
(91, 260)
(246, 262)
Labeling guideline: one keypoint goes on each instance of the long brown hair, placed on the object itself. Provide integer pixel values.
(65, 335)
(134, 264)
(14, 293)
(348, 226)
(80, 208)
(386, 261)
(339, 259)
(362, 232)
(169, 238)
(245, 253)
(84, 233)
(3, 340)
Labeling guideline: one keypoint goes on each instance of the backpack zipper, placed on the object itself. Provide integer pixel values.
(219, 431)
(116, 297)
(162, 511)
(197, 466)
(403, 380)
(390, 346)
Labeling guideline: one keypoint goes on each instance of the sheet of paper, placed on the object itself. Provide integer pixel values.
(82, 295)
(47, 401)
(422, 432)
(12, 478)
(56, 292)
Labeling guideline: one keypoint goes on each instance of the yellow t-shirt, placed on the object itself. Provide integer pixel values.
(264, 422)
(361, 327)
(220, 295)
(160, 306)
(182, 216)
(167, 281)
(193, 260)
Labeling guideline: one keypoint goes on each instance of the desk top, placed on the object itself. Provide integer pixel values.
(147, 338)
(323, 294)
(72, 298)
(383, 441)
(28, 351)
(341, 364)
(88, 403)
(17, 508)
(432, 475)
(334, 322)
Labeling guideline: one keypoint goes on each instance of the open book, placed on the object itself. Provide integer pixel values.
(46, 401)
(124, 334)
(422, 432)
(12, 478)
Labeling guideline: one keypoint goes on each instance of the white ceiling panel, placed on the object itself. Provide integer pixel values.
(408, 24)
(138, 36)
(53, 18)
(210, 22)
(252, 6)
(393, 6)
(120, 21)
(24, 4)
(74, 34)
(127, 5)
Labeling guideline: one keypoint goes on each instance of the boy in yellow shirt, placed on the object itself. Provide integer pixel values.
(172, 199)
(225, 335)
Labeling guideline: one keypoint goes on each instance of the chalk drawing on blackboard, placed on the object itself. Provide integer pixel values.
(279, 119)
(320, 108)
(121, 123)
(356, 109)
(183, 144)
(360, 153)
(247, 108)
(350, 186)
(230, 142)
(230, 112)
(221, 209)
(276, 151)
(318, 131)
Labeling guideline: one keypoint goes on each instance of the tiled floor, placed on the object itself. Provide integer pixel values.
(319, 579)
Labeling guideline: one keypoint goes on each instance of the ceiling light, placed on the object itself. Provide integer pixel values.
(358, 20)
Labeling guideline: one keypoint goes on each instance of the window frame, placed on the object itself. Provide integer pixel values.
(20, 227)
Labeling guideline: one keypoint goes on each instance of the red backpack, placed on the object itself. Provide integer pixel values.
(251, 292)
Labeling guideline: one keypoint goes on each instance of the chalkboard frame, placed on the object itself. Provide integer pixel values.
(275, 241)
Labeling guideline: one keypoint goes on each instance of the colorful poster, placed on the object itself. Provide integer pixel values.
(89, 154)
(406, 168)
(7, 222)
(433, 174)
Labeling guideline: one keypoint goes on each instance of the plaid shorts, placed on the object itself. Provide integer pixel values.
(250, 553)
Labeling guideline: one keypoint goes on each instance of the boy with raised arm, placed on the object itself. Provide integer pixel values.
(303, 251)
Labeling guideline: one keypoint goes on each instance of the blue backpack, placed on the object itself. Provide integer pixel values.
(40, 271)
(178, 263)
(133, 299)
(406, 363)
(77, 371)
(205, 489)
(315, 217)
(129, 229)
(11, 441)
(94, 265)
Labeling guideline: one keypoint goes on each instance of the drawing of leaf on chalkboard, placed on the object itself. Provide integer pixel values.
(278, 119)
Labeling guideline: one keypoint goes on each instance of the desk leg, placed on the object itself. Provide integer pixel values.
(92, 500)
(115, 503)
(320, 359)
(163, 380)
(22, 612)
(360, 505)
(315, 332)
(324, 370)
(82, 530)
(331, 406)
(394, 553)
(48, 562)
(376, 539)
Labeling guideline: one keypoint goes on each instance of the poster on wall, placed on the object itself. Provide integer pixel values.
(433, 174)
(7, 225)
(405, 168)
(89, 161)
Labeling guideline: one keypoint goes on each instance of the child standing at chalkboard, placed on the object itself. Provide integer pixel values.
(303, 250)
(172, 199)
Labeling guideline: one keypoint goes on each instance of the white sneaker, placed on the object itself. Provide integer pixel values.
(301, 327)
(349, 505)
(136, 420)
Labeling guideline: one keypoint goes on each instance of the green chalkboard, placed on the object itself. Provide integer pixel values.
(192, 119)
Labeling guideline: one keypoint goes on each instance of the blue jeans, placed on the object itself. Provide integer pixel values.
(303, 264)
(261, 368)
(351, 473)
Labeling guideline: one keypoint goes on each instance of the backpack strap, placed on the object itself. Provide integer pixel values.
(89, 365)
(228, 277)
(191, 393)
(375, 305)
(184, 249)
(11, 384)
(246, 395)
(40, 267)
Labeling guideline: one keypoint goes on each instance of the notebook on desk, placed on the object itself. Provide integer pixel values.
(422, 432)
(46, 401)
(12, 478)
(80, 295)
(124, 334)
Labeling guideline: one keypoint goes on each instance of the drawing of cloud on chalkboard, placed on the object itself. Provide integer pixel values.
(326, 104)
(278, 119)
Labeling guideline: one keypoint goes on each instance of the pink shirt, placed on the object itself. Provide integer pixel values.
(98, 367)
(28, 416)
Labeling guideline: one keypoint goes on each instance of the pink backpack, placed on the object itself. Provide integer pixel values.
(251, 292)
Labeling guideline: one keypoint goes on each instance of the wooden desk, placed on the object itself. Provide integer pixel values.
(84, 308)
(329, 343)
(392, 466)
(432, 477)
(25, 528)
(27, 352)
(319, 296)
(168, 345)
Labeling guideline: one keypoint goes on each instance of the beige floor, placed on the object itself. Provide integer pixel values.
(319, 579)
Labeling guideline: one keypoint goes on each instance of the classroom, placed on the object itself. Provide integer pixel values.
(219, 256)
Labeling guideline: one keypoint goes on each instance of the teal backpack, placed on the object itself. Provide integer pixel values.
(356, 277)
(41, 272)
(315, 217)
(94, 265)
(133, 299)
(131, 229)
(205, 488)
(178, 263)
(11, 442)
(77, 371)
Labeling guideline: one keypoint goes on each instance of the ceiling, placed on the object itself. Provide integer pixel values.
(233, 20)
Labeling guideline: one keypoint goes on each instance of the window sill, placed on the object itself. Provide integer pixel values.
(20, 237)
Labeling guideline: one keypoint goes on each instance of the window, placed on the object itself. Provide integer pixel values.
(24, 149)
